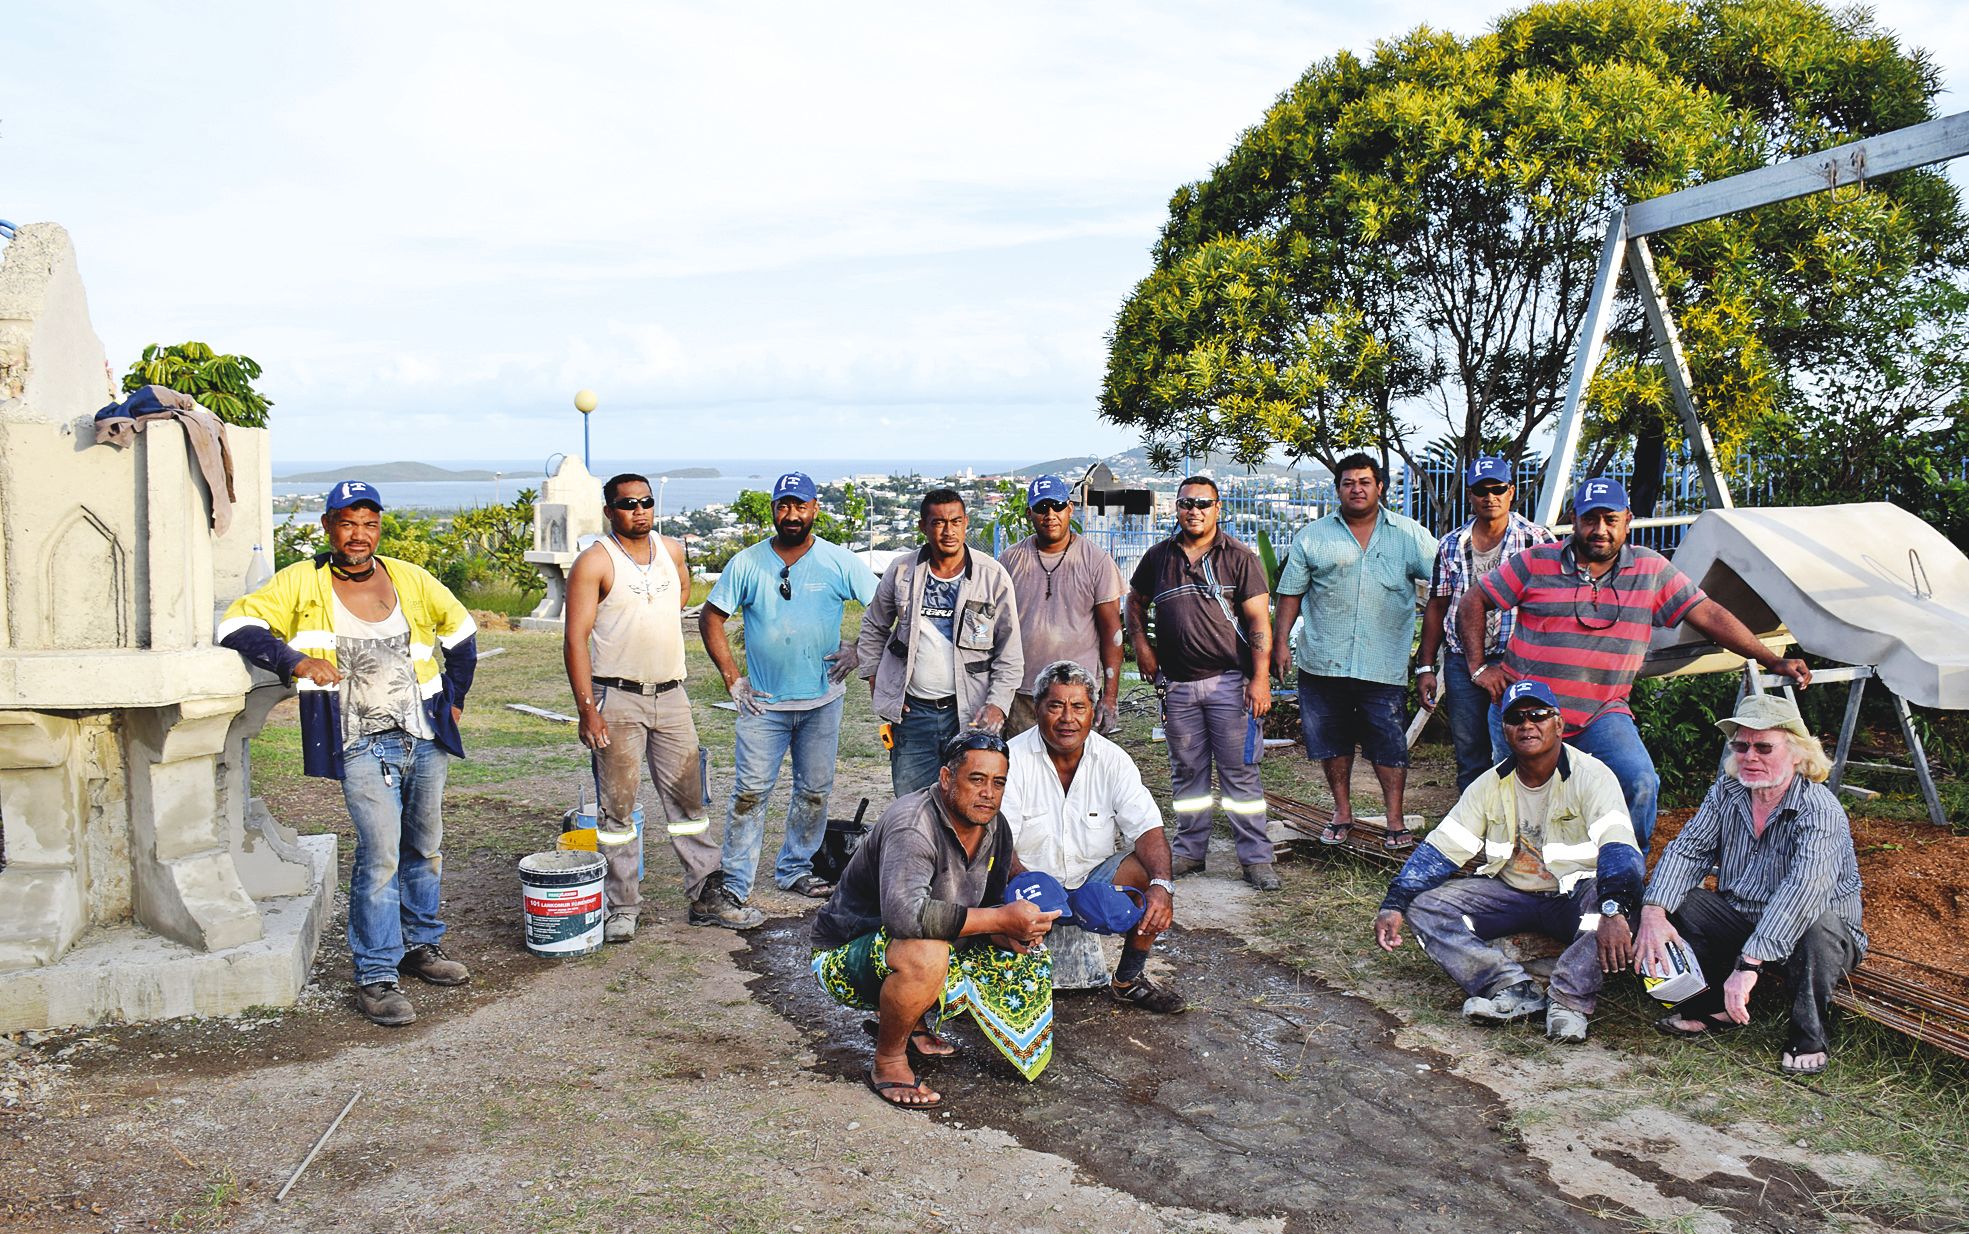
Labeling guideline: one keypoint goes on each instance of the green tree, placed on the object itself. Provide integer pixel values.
(223, 385)
(1418, 229)
(755, 510)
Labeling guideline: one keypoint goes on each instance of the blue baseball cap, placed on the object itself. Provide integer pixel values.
(1599, 493)
(1041, 889)
(797, 485)
(1527, 691)
(1489, 467)
(1048, 488)
(1105, 908)
(353, 493)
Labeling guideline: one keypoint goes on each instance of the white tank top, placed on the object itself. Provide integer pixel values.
(639, 625)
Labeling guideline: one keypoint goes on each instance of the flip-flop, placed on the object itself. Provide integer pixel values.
(1667, 1026)
(1335, 833)
(1794, 1069)
(1397, 839)
(882, 1087)
(871, 1027)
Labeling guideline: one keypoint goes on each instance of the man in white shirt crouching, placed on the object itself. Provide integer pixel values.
(1074, 800)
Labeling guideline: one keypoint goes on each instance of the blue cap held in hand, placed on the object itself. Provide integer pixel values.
(1106, 908)
(1039, 889)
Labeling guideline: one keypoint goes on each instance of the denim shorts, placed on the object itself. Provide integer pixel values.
(1337, 714)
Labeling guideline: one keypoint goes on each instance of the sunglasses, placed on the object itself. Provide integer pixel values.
(633, 503)
(1048, 507)
(1530, 715)
(1195, 503)
(786, 582)
(1763, 748)
(1490, 490)
(972, 740)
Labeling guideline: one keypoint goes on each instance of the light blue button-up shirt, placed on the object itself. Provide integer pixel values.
(1358, 619)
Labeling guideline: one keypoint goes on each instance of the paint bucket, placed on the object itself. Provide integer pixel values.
(561, 902)
(581, 829)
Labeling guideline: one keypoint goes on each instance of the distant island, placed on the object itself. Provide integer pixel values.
(387, 473)
(691, 473)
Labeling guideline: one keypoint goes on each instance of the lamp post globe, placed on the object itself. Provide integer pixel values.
(585, 402)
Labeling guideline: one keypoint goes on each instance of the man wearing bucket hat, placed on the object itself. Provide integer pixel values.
(1557, 857)
(920, 927)
(1586, 609)
(790, 590)
(1494, 533)
(1787, 895)
(359, 634)
(1069, 594)
(1080, 813)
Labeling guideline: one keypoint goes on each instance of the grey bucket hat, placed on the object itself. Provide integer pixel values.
(1762, 711)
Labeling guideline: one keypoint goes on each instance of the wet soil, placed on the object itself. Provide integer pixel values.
(1274, 1095)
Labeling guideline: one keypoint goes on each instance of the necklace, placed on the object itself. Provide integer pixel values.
(622, 548)
(1040, 557)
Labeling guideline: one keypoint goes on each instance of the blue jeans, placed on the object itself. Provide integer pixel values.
(814, 737)
(913, 764)
(1475, 727)
(394, 786)
(1615, 741)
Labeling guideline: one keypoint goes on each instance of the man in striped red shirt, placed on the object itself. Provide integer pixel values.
(1586, 608)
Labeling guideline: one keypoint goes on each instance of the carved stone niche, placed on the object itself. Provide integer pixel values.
(565, 518)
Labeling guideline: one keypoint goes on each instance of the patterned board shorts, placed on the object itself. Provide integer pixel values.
(1008, 994)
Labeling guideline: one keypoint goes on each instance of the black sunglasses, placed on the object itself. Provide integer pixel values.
(1534, 715)
(1604, 622)
(1490, 490)
(973, 739)
(1195, 503)
(786, 582)
(633, 503)
(1048, 507)
(1764, 748)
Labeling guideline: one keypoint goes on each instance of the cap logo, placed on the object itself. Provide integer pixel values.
(1596, 488)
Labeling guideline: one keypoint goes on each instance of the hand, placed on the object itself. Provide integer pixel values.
(1024, 922)
(1107, 717)
(1797, 670)
(1493, 679)
(1005, 942)
(1282, 662)
(1651, 945)
(457, 714)
(321, 672)
(1736, 995)
(1258, 695)
(1388, 929)
(1616, 943)
(1160, 912)
(1147, 665)
(1425, 685)
(747, 698)
(594, 729)
(842, 664)
(989, 719)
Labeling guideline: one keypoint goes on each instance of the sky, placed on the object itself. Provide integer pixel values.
(854, 231)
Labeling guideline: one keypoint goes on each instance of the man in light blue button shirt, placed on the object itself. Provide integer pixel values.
(791, 590)
(1354, 572)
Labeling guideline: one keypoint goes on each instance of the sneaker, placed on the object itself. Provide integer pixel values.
(619, 927)
(1518, 1002)
(428, 962)
(383, 1003)
(1180, 866)
(717, 906)
(1563, 1024)
(1263, 875)
(1149, 996)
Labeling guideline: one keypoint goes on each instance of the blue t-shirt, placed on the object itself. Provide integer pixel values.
(940, 605)
(786, 640)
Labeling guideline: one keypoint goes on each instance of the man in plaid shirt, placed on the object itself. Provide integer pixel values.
(1495, 534)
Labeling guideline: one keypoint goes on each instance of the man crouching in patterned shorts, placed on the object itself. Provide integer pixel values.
(915, 930)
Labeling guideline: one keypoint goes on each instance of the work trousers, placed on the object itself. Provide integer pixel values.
(1206, 722)
(1457, 922)
(919, 737)
(1716, 932)
(656, 729)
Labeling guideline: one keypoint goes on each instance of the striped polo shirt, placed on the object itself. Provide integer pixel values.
(1585, 638)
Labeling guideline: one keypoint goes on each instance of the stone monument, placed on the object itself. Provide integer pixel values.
(566, 519)
(139, 879)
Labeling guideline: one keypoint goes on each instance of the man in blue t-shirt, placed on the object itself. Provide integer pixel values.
(789, 591)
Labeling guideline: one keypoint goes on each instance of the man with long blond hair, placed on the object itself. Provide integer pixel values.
(1787, 895)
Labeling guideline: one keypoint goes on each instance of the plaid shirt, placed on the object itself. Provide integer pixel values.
(1456, 569)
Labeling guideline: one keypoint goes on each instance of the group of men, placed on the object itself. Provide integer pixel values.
(995, 679)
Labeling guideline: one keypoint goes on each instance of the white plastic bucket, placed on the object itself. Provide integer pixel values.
(561, 902)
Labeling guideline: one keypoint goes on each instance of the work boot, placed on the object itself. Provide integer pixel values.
(1564, 1025)
(1179, 866)
(428, 962)
(383, 1002)
(1518, 1002)
(619, 927)
(1263, 875)
(717, 906)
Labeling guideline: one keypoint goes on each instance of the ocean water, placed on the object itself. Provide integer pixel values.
(680, 494)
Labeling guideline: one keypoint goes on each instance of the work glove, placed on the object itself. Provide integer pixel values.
(842, 664)
(747, 698)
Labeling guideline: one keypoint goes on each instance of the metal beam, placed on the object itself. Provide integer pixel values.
(1592, 339)
(1716, 493)
(1918, 145)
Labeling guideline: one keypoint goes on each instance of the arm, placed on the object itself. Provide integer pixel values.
(1152, 850)
(1138, 635)
(1427, 867)
(1721, 627)
(1433, 617)
(1107, 627)
(1288, 613)
(458, 636)
(878, 624)
(257, 626)
(585, 588)
(910, 911)
(1257, 612)
(711, 629)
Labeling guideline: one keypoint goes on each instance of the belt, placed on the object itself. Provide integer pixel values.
(637, 687)
(931, 704)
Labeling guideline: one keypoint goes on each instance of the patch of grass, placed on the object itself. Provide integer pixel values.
(499, 596)
(216, 1209)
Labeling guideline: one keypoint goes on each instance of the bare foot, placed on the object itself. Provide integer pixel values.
(928, 1042)
(1802, 1064)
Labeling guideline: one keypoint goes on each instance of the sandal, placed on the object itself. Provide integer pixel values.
(1397, 839)
(1335, 833)
(1668, 1026)
(1790, 1068)
(881, 1088)
(812, 886)
(871, 1027)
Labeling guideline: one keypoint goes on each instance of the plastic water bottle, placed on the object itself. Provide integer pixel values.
(259, 572)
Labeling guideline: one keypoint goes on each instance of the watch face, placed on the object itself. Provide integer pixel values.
(1610, 908)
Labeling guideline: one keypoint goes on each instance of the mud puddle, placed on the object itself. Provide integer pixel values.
(1275, 1095)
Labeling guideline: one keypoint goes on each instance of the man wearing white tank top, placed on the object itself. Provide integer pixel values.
(624, 652)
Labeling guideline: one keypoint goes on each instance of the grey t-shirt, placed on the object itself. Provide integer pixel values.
(1057, 593)
(910, 874)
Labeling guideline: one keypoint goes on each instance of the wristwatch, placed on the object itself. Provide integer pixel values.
(1745, 966)
(1422, 670)
(1165, 884)
(1610, 908)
